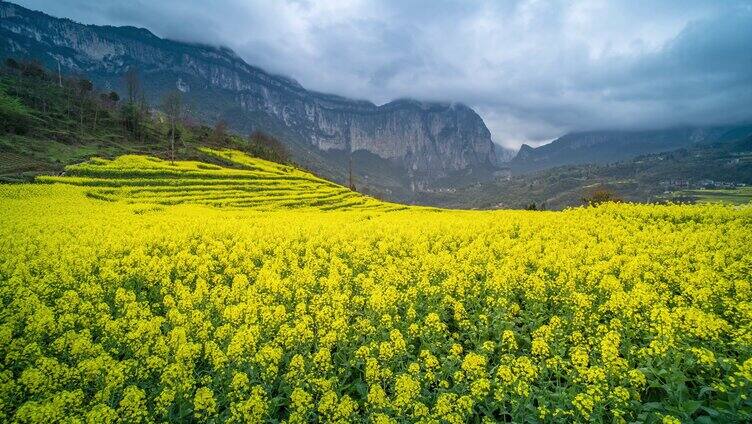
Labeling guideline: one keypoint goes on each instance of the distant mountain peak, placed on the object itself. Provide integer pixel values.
(129, 30)
(523, 153)
(607, 146)
(525, 147)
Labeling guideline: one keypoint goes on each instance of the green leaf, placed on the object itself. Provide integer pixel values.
(706, 390)
(712, 412)
(690, 406)
(653, 406)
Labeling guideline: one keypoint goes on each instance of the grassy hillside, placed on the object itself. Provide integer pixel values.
(252, 183)
(50, 122)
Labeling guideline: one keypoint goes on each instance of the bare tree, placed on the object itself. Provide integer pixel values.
(132, 84)
(267, 147)
(84, 88)
(109, 100)
(219, 133)
(172, 105)
(132, 110)
(352, 179)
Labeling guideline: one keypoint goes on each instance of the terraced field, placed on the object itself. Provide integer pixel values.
(252, 183)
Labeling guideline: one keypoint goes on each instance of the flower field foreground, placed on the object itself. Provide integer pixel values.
(120, 312)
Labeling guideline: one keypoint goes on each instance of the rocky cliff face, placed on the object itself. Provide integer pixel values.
(425, 140)
(504, 154)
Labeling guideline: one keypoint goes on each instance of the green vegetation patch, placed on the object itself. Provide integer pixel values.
(735, 196)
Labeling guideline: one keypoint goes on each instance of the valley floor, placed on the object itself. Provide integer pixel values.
(736, 196)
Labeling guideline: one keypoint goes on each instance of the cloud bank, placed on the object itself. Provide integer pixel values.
(534, 70)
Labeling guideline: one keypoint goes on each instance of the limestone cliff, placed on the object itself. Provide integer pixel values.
(423, 141)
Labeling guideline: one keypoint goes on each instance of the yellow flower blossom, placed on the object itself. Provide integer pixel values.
(204, 404)
(124, 312)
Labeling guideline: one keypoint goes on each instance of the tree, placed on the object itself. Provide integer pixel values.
(11, 63)
(352, 180)
(267, 147)
(600, 195)
(32, 68)
(133, 110)
(85, 85)
(84, 88)
(219, 134)
(172, 105)
(132, 84)
(14, 116)
(14, 67)
(109, 99)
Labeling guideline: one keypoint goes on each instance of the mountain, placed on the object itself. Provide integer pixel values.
(602, 147)
(723, 168)
(396, 148)
(504, 154)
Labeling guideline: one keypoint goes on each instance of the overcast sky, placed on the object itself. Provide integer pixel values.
(534, 70)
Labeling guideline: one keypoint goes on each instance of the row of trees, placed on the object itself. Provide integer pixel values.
(173, 106)
(71, 109)
(80, 99)
(592, 197)
(90, 103)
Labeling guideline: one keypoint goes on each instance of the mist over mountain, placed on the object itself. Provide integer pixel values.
(533, 70)
(504, 154)
(601, 147)
(399, 147)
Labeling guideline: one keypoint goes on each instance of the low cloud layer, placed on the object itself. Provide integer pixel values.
(532, 69)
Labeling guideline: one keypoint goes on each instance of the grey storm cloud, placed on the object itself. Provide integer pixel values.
(532, 69)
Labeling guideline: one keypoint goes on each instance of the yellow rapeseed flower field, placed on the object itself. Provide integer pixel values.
(135, 291)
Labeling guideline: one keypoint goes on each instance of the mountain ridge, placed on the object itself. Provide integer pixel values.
(607, 146)
(423, 141)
